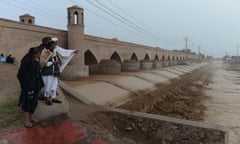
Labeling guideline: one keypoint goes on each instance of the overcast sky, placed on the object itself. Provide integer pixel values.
(212, 25)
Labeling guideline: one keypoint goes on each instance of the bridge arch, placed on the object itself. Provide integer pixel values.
(89, 58)
(147, 57)
(168, 58)
(156, 57)
(115, 56)
(134, 57)
(163, 58)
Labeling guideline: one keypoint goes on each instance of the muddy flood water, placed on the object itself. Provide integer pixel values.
(223, 107)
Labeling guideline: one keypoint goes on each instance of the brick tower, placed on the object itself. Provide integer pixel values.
(27, 18)
(76, 69)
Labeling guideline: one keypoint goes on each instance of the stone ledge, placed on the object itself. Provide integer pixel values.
(73, 93)
(175, 120)
(44, 112)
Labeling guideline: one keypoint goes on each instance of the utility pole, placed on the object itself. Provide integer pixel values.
(186, 43)
(186, 48)
(199, 56)
(237, 51)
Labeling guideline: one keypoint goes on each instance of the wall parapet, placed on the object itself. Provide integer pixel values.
(28, 27)
(120, 43)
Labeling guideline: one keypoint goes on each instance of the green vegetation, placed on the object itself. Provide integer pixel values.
(10, 114)
(106, 135)
(130, 141)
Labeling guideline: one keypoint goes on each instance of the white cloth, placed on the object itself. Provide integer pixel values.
(50, 86)
(64, 55)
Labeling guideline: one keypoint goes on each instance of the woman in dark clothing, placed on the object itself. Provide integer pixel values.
(31, 82)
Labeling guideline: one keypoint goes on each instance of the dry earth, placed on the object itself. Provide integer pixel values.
(9, 85)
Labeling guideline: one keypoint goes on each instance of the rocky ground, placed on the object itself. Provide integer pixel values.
(182, 98)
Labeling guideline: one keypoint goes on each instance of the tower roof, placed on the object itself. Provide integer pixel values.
(75, 7)
(27, 15)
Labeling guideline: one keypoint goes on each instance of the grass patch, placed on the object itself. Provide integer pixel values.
(10, 113)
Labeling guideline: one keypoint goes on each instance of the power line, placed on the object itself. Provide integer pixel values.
(45, 9)
(43, 15)
(144, 33)
(125, 12)
(128, 21)
(111, 21)
(44, 12)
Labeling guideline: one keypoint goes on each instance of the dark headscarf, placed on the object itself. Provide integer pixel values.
(44, 43)
(31, 52)
(45, 40)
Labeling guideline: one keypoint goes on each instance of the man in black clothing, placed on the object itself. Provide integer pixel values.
(31, 82)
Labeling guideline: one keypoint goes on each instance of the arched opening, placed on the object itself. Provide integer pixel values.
(146, 57)
(168, 58)
(30, 21)
(163, 57)
(177, 58)
(22, 20)
(173, 58)
(134, 57)
(82, 18)
(156, 58)
(115, 56)
(89, 58)
(75, 18)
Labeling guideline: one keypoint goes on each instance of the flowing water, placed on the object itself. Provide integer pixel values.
(224, 106)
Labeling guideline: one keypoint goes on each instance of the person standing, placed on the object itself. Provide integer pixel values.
(31, 82)
(50, 71)
(43, 45)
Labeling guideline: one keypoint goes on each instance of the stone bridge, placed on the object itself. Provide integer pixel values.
(95, 54)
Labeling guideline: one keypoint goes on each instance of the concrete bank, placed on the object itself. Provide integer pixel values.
(114, 90)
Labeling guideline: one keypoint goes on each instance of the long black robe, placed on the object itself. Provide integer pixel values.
(31, 82)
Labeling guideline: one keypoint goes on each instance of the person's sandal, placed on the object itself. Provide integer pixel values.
(28, 124)
(56, 101)
(35, 121)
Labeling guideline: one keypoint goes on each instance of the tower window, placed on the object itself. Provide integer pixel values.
(30, 21)
(75, 16)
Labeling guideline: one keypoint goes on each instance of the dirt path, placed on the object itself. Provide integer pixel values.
(224, 106)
